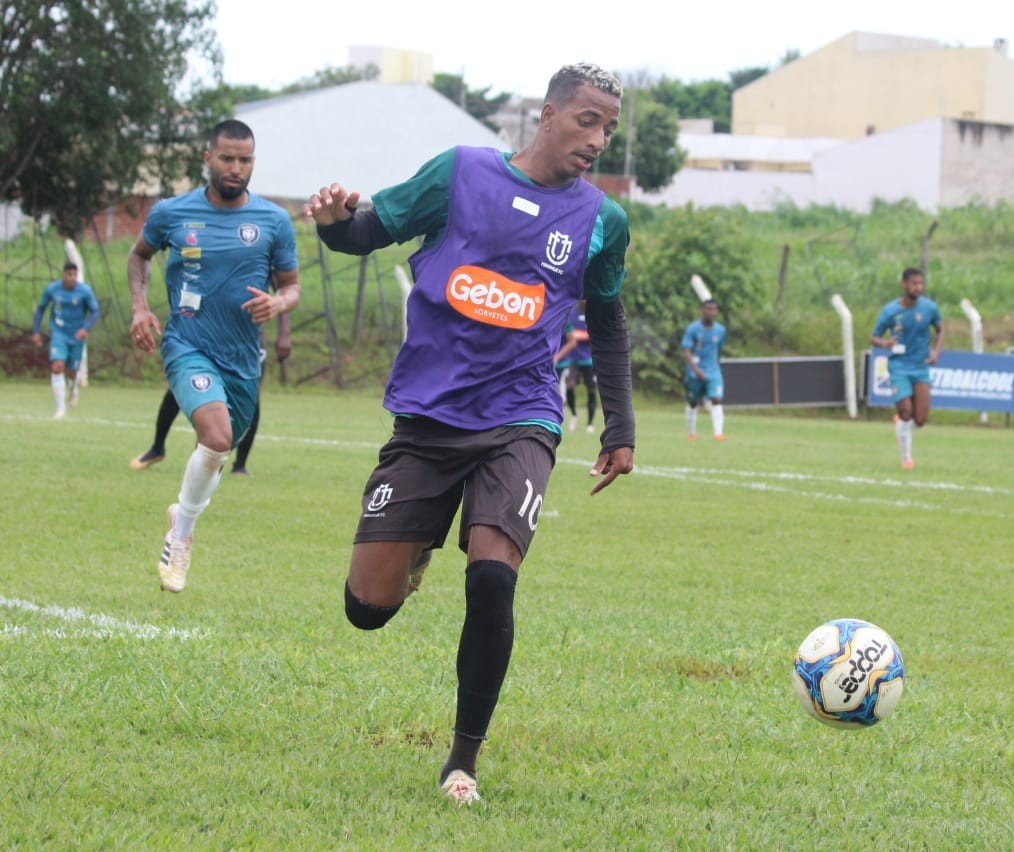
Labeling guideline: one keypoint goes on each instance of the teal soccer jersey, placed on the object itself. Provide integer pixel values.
(706, 345)
(73, 309)
(214, 254)
(910, 329)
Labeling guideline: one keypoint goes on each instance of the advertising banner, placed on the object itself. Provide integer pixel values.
(966, 380)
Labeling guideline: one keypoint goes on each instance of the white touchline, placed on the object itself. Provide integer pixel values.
(748, 480)
(685, 473)
(87, 624)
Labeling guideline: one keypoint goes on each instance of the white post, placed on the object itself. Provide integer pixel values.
(848, 354)
(73, 255)
(975, 320)
(406, 287)
(700, 288)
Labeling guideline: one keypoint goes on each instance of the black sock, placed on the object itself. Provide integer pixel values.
(487, 639)
(167, 412)
(464, 755)
(246, 442)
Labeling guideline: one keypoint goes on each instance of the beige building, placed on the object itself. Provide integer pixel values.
(865, 83)
(395, 66)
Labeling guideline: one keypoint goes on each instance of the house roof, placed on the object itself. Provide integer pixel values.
(365, 135)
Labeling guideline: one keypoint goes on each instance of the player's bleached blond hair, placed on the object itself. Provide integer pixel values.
(565, 82)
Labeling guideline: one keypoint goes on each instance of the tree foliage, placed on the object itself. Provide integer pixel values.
(655, 156)
(707, 99)
(476, 102)
(330, 76)
(659, 299)
(89, 104)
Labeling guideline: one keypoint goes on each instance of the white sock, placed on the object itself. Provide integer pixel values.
(200, 479)
(904, 432)
(59, 384)
(717, 418)
(691, 421)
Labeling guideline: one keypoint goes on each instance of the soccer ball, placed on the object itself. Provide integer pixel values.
(848, 673)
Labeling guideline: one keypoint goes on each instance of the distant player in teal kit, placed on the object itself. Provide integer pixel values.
(511, 242)
(903, 327)
(574, 361)
(702, 347)
(75, 310)
(224, 245)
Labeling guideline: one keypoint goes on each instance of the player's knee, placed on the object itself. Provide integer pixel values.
(489, 587)
(365, 615)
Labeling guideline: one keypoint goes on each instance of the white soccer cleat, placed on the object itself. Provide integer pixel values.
(460, 786)
(573, 423)
(175, 559)
(61, 413)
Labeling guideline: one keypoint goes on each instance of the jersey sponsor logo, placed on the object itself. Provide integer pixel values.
(191, 252)
(248, 234)
(484, 296)
(200, 382)
(192, 239)
(381, 497)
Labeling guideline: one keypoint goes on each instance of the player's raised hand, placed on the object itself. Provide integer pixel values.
(332, 204)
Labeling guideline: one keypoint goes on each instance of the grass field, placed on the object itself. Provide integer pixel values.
(648, 704)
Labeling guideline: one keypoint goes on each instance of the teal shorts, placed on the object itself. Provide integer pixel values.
(902, 381)
(710, 387)
(196, 381)
(70, 350)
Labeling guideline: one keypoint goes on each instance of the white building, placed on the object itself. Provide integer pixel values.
(937, 163)
(366, 135)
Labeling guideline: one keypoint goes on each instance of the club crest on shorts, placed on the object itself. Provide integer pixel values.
(249, 234)
(381, 497)
(201, 382)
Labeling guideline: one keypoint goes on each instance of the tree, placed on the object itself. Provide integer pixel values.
(655, 154)
(740, 78)
(658, 296)
(476, 102)
(705, 99)
(89, 104)
(331, 76)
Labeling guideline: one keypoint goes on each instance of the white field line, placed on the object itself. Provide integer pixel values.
(758, 481)
(77, 623)
(749, 479)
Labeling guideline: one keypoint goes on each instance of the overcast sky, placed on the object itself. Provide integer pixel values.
(515, 46)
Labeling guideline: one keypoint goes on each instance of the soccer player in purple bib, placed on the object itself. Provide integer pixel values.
(224, 245)
(511, 242)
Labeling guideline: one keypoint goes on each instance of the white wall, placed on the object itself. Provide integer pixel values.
(754, 190)
(12, 220)
(977, 163)
(898, 164)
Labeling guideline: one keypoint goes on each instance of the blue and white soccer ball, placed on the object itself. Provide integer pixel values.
(848, 673)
